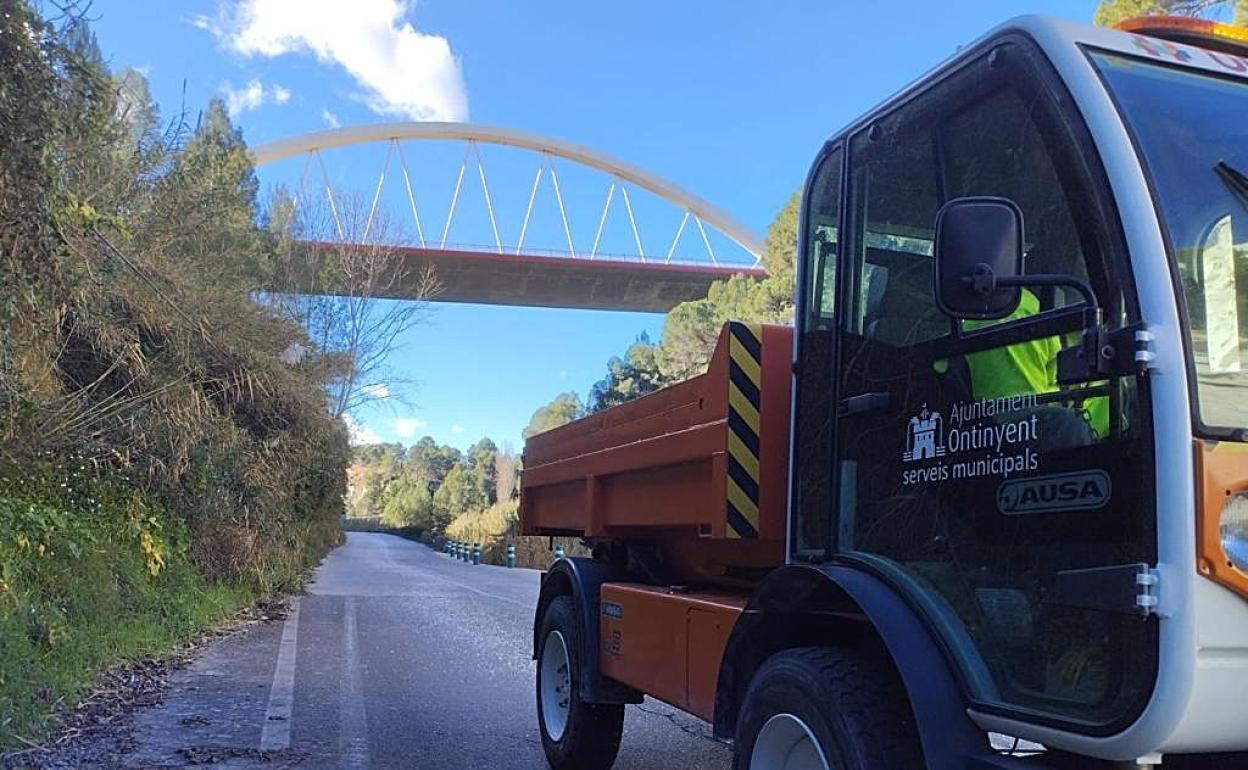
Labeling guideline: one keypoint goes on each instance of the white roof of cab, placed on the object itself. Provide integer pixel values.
(1061, 39)
(1049, 32)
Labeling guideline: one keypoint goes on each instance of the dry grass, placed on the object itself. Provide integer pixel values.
(495, 528)
(484, 526)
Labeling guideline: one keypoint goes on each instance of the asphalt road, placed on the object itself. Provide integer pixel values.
(397, 657)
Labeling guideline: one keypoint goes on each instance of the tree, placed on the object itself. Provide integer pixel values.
(336, 264)
(507, 475)
(205, 225)
(136, 110)
(437, 459)
(459, 493)
(408, 502)
(773, 298)
(374, 454)
(565, 408)
(428, 484)
(632, 376)
(380, 465)
(692, 328)
(1110, 12)
(481, 470)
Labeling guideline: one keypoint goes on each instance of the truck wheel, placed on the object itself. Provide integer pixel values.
(575, 735)
(819, 708)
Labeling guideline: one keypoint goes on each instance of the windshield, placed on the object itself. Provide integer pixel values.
(1192, 132)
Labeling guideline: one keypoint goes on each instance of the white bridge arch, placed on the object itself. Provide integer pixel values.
(586, 280)
(527, 140)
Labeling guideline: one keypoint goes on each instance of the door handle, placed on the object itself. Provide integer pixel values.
(864, 402)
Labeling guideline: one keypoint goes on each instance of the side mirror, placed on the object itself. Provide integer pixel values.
(979, 243)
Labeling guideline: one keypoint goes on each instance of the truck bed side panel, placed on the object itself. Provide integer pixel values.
(667, 644)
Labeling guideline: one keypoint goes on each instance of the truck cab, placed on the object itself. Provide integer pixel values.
(1018, 445)
(1046, 532)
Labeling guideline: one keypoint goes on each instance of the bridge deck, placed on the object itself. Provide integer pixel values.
(559, 282)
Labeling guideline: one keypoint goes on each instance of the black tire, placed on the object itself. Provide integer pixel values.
(591, 738)
(855, 707)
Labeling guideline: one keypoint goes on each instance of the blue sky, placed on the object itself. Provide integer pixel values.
(729, 99)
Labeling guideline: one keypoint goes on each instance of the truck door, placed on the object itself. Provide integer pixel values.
(816, 338)
(963, 474)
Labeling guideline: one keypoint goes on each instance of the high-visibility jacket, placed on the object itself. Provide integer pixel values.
(1026, 367)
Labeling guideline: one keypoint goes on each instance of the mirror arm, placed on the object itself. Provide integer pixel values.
(1055, 279)
(1094, 357)
(984, 281)
(1101, 353)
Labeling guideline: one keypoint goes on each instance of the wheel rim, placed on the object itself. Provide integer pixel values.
(555, 677)
(787, 743)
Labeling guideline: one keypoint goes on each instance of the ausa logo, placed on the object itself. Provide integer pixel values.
(1084, 491)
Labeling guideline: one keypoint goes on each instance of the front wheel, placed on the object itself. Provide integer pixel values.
(816, 708)
(575, 735)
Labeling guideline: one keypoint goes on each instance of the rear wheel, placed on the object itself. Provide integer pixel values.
(575, 734)
(816, 708)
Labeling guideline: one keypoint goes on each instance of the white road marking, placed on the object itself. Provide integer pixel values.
(275, 733)
(352, 720)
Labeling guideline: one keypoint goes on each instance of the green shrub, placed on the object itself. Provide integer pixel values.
(91, 574)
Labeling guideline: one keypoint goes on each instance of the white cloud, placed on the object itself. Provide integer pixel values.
(359, 433)
(378, 390)
(401, 71)
(563, 374)
(406, 427)
(457, 429)
(251, 96)
(330, 118)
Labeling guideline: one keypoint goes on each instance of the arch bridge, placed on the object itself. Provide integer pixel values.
(581, 255)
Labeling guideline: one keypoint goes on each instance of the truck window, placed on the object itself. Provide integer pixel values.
(898, 195)
(1189, 128)
(951, 480)
(817, 333)
(1017, 166)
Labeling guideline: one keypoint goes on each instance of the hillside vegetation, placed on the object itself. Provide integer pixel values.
(159, 463)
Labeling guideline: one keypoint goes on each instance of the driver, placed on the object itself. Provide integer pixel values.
(1031, 367)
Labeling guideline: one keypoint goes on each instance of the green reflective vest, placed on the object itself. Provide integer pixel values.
(1025, 367)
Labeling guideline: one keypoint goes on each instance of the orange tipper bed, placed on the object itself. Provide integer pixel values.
(707, 457)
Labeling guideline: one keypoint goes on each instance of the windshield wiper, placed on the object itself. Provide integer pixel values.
(1233, 179)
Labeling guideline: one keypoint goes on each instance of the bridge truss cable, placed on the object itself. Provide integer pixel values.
(623, 179)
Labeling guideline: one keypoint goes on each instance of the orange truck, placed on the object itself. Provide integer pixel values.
(985, 504)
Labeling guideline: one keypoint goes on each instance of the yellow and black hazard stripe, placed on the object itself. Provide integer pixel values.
(745, 379)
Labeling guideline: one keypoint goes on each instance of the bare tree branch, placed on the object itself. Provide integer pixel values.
(337, 288)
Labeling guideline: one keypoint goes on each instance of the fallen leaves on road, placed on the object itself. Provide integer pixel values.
(211, 755)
